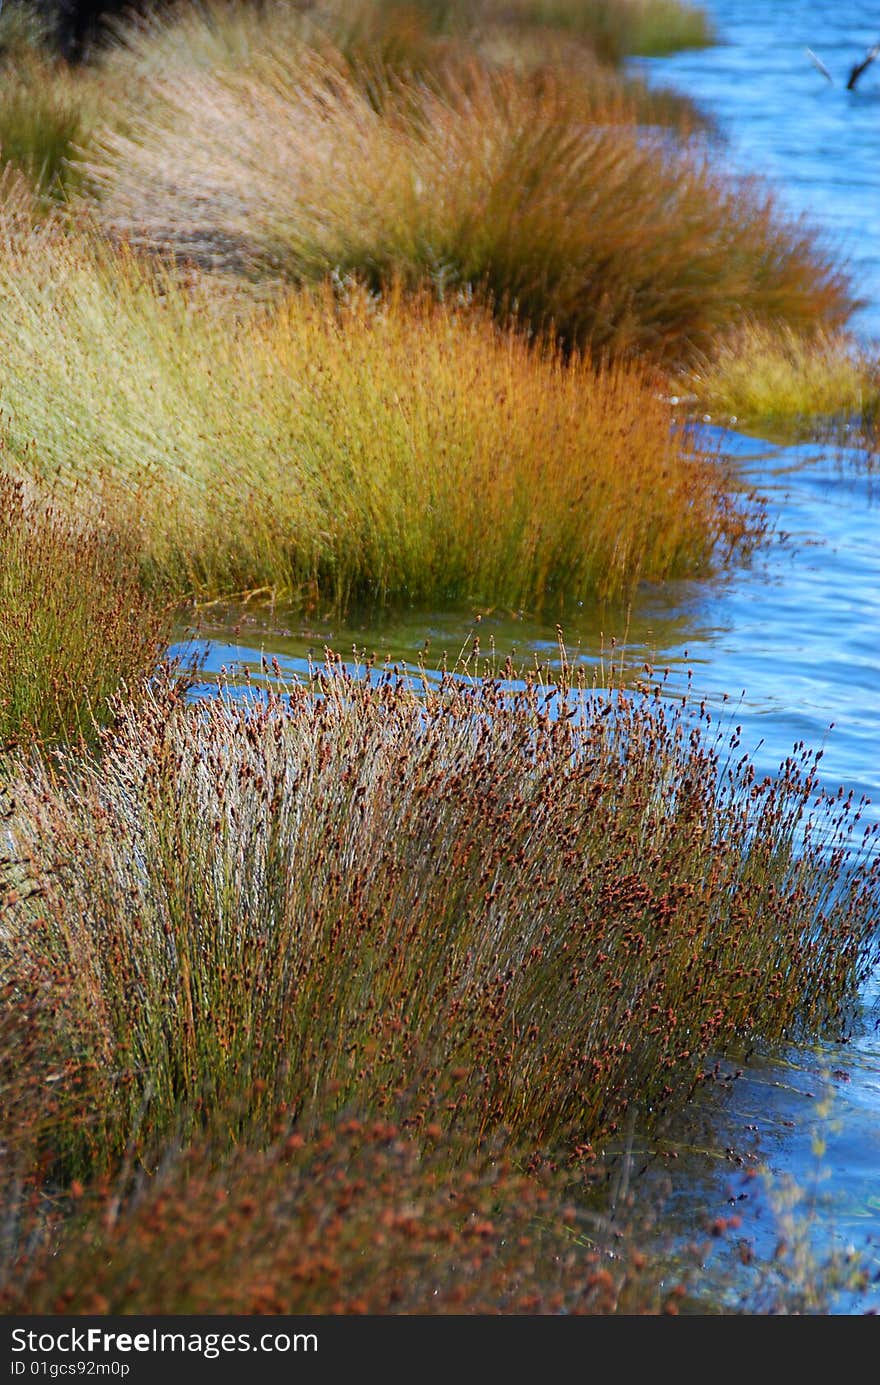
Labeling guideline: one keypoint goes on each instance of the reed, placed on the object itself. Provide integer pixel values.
(335, 447)
(619, 241)
(774, 375)
(543, 913)
(75, 622)
(355, 1215)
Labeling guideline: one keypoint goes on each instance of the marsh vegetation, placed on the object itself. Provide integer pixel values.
(374, 304)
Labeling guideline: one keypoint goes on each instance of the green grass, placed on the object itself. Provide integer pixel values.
(24, 31)
(778, 377)
(621, 28)
(41, 124)
(75, 622)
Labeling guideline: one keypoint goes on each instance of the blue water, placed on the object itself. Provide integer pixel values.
(792, 638)
(814, 142)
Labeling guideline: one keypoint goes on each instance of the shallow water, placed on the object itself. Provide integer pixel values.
(792, 639)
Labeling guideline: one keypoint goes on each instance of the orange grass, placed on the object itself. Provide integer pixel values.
(335, 447)
(75, 621)
(617, 240)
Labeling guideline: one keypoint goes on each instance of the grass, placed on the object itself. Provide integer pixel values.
(372, 979)
(622, 28)
(617, 240)
(24, 30)
(412, 35)
(353, 1216)
(75, 622)
(338, 448)
(41, 124)
(374, 45)
(775, 376)
(542, 917)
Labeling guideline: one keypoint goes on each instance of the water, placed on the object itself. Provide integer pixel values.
(815, 142)
(792, 639)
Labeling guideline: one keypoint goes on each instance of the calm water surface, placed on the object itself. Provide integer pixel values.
(793, 639)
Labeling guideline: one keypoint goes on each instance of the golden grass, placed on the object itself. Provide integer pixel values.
(617, 240)
(335, 446)
(774, 374)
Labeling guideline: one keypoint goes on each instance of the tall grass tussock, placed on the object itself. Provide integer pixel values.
(539, 914)
(337, 447)
(615, 239)
(75, 621)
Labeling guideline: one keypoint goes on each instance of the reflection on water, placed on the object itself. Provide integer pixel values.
(792, 639)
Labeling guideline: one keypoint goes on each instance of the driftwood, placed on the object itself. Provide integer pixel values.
(860, 67)
(855, 72)
(818, 64)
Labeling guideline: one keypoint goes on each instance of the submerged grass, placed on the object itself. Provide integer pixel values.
(617, 239)
(541, 914)
(335, 446)
(75, 622)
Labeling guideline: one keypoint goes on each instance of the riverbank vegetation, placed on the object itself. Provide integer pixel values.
(75, 621)
(583, 899)
(371, 304)
(787, 380)
(339, 446)
(617, 240)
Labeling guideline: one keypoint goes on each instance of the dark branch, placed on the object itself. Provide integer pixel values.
(860, 67)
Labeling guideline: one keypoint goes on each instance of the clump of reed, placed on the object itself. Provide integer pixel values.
(336, 447)
(772, 374)
(542, 912)
(352, 1216)
(616, 240)
(75, 621)
(41, 122)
